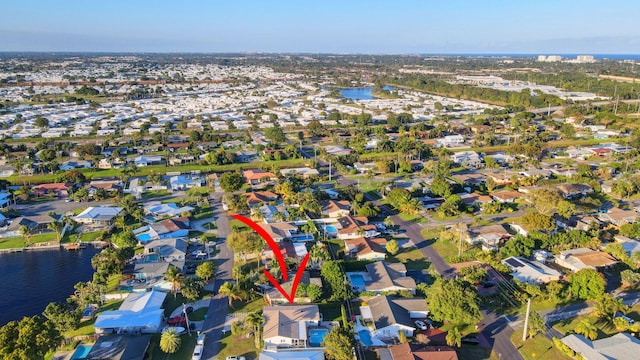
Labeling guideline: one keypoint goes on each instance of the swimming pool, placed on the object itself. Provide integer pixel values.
(81, 352)
(316, 336)
(357, 282)
(365, 337)
(144, 237)
(151, 258)
(330, 229)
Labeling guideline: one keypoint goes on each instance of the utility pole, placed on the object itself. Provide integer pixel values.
(526, 321)
(329, 169)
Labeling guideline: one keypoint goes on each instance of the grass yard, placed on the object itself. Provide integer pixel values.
(90, 236)
(198, 315)
(86, 327)
(445, 248)
(538, 347)
(412, 258)
(331, 311)
(18, 241)
(251, 306)
(238, 346)
(172, 302)
(412, 217)
(187, 344)
(155, 194)
(237, 224)
(605, 327)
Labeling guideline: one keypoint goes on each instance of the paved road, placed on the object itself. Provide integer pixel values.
(214, 323)
(498, 334)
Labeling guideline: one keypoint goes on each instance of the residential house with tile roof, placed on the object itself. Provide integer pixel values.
(286, 325)
(366, 249)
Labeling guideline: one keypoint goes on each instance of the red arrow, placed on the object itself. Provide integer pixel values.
(276, 251)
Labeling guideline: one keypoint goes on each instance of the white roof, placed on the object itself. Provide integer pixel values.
(292, 355)
(129, 319)
(100, 212)
(138, 302)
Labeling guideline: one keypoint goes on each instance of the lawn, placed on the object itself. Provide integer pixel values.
(445, 248)
(188, 343)
(605, 327)
(172, 302)
(198, 315)
(251, 306)
(237, 224)
(331, 311)
(237, 345)
(18, 241)
(155, 194)
(538, 347)
(90, 236)
(412, 217)
(412, 258)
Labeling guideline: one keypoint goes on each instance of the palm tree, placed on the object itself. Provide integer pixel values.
(57, 227)
(454, 337)
(255, 319)
(25, 232)
(231, 291)
(586, 328)
(170, 341)
(174, 276)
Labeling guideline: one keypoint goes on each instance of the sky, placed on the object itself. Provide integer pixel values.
(327, 26)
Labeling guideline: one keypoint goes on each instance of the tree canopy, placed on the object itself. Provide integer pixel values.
(31, 338)
(231, 181)
(455, 301)
(587, 284)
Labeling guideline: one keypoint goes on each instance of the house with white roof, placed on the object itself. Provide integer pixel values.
(286, 325)
(140, 312)
(98, 215)
(532, 272)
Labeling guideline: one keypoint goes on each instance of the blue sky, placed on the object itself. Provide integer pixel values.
(328, 26)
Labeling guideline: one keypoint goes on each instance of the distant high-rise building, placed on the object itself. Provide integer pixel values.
(542, 58)
(585, 58)
(553, 58)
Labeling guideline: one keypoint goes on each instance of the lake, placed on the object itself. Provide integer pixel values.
(361, 93)
(32, 279)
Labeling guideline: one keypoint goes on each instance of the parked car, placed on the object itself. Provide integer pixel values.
(621, 315)
(200, 340)
(488, 284)
(197, 352)
(177, 320)
(235, 357)
(421, 325)
(472, 340)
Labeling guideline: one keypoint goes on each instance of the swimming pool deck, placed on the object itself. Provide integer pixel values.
(372, 333)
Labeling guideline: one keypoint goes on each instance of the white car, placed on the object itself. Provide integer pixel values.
(197, 353)
(200, 340)
(235, 358)
(421, 325)
(179, 330)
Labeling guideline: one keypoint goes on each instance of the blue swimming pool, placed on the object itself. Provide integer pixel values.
(316, 336)
(365, 337)
(357, 281)
(81, 352)
(330, 229)
(151, 258)
(143, 237)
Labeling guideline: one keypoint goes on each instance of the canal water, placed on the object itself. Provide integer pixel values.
(32, 279)
(361, 93)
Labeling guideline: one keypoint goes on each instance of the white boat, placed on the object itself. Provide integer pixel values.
(177, 329)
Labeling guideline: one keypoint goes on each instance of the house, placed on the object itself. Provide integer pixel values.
(621, 346)
(471, 179)
(168, 250)
(337, 150)
(532, 272)
(165, 229)
(98, 215)
(184, 182)
(259, 198)
(383, 277)
(391, 315)
(583, 258)
(467, 158)
(302, 354)
(573, 191)
(280, 231)
(274, 297)
(303, 172)
(364, 167)
(630, 246)
(353, 227)
(489, 236)
(109, 186)
(272, 213)
(619, 217)
(364, 249)
(6, 171)
(37, 224)
(140, 312)
(57, 189)
(450, 141)
(258, 177)
(286, 248)
(475, 200)
(336, 209)
(286, 325)
(506, 196)
(76, 164)
(148, 160)
(119, 347)
(162, 210)
(246, 155)
(150, 274)
(409, 351)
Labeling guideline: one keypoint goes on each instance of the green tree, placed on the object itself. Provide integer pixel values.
(455, 301)
(124, 239)
(25, 232)
(255, 319)
(170, 341)
(63, 315)
(231, 291)
(275, 134)
(31, 338)
(402, 336)
(334, 281)
(629, 278)
(191, 288)
(587, 329)
(41, 122)
(206, 270)
(536, 324)
(392, 247)
(338, 344)
(538, 221)
(231, 181)
(586, 284)
(175, 277)
(544, 199)
(454, 338)
(244, 242)
(314, 292)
